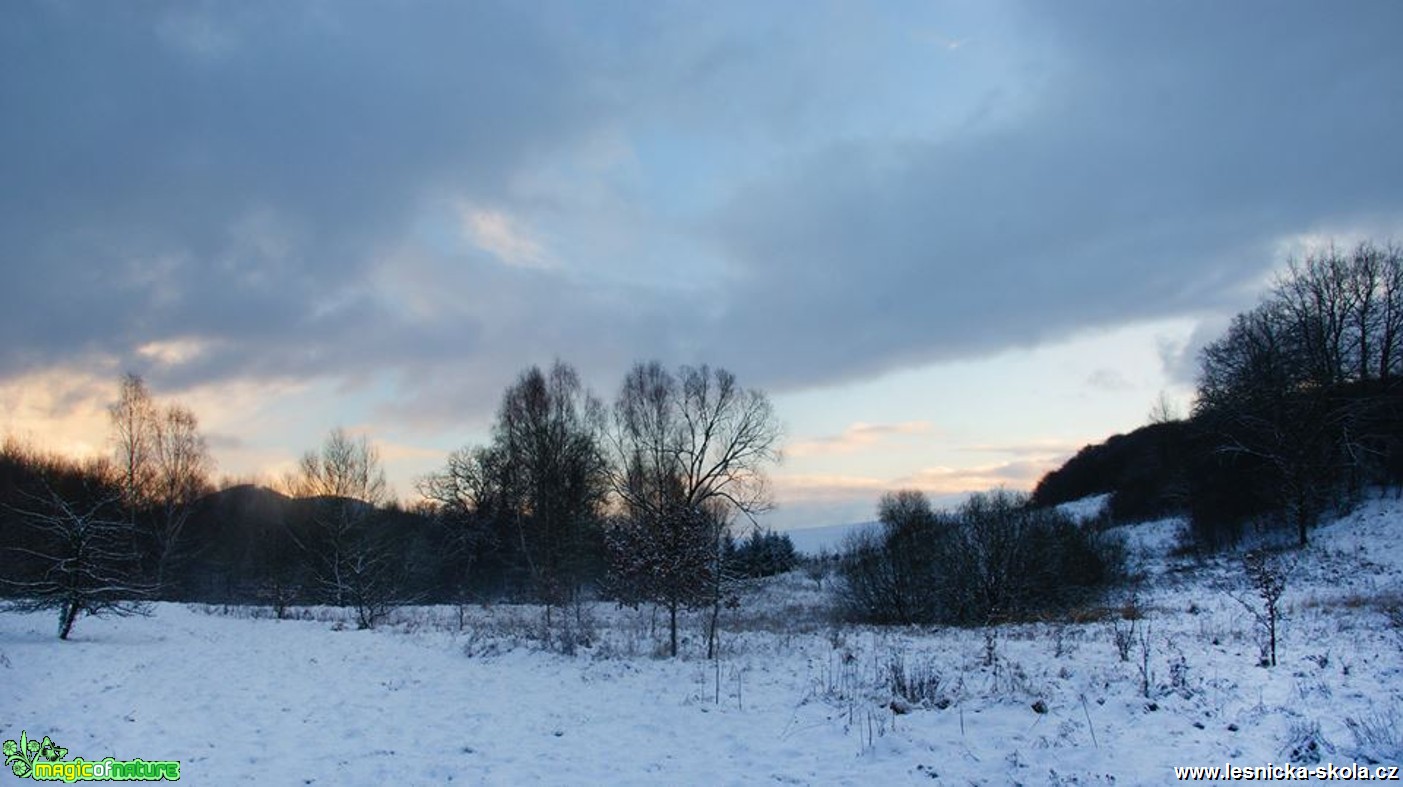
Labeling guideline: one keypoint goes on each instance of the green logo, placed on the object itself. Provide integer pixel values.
(21, 756)
(44, 761)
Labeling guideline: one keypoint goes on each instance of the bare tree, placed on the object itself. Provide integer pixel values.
(462, 487)
(531, 503)
(1316, 298)
(133, 417)
(1303, 382)
(181, 465)
(83, 553)
(1163, 411)
(345, 483)
(547, 438)
(344, 467)
(1390, 309)
(465, 499)
(698, 436)
(1254, 396)
(696, 442)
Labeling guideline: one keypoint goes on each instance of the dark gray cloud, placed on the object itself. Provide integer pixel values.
(235, 172)
(780, 193)
(1170, 147)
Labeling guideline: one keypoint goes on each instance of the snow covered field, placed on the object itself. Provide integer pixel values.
(236, 697)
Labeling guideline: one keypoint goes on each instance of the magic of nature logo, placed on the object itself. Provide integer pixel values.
(44, 761)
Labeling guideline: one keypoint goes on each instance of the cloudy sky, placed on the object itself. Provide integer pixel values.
(953, 240)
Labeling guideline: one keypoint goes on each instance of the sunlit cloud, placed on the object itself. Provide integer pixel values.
(173, 352)
(826, 488)
(934, 481)
(856, 438)
(246, 422)
(504, 237)
(1032, 449)
(61, 410)
(1019, 475)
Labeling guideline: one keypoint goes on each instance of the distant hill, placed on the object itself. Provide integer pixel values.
(810, 540)
(247, 497)
(1145, 473)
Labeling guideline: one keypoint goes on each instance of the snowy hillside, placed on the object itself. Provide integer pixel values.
(473, 696)
(811, 540)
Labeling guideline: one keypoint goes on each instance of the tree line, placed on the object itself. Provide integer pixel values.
(640, 500)
(1297, 411)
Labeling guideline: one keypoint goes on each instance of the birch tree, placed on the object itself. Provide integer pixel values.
(345, 484)
(181, 465)
(133, 417)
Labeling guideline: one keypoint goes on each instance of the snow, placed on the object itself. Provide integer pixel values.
(1370, 532)
(795, 698)
(1087, 508)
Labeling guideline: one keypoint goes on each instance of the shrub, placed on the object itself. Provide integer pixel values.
(918, 684)
(995, 558)
(891, 576)
(1010, 560)
(1378, 736)
(872, 589)
(1123, 635)
(1266, 574)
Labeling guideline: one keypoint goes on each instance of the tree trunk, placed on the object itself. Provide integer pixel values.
(68, 614)
(712, 637)
(1302, 520)
(672, 625)
(1271, 621)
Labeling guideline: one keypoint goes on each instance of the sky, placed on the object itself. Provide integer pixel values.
(953, 241)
